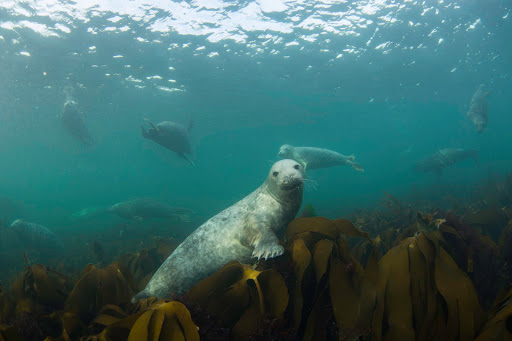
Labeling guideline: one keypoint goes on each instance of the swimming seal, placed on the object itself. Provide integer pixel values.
(36, 236)
(243, 231)
(172, 136)
(146, 208)
(314, 158)
(478, 112)
(73, 121)
(445, 158)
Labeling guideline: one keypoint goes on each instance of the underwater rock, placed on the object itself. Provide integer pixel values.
(172, 136)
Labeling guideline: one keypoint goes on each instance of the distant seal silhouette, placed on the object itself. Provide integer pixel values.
(314, 158)
(146, 208)
(35, 235)
(73, 121)
(240, 232)
(172, 136)
(445, 158)
(478, 112)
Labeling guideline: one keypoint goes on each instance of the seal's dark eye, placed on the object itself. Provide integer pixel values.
(296, 167)
(275, 173)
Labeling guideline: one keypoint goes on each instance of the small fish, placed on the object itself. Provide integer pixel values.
(478, 112)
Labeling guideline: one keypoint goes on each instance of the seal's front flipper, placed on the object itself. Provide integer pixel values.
(151, 124)
(267, 246)
(144, 132)
(268, 251)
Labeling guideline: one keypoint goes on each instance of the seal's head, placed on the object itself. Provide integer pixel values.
(151, 133)
(286, 177)
(17, 223)
(286, 151)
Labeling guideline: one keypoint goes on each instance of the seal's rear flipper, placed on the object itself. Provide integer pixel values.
(351, 157)
(89, 212)
(141, 295)
(187, 158)
(358, 167)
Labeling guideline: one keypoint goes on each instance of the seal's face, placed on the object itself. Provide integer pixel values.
(285, 151)
(286, 175)
(17, 223)
(152, 133)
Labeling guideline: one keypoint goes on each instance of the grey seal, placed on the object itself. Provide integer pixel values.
(73, 121)
(146, 208)
(243, 231)
(445, 158)
(478, 112)
(35, 235)
(314, 158)
(171, 135)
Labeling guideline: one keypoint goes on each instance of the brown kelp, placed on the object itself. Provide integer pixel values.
(419, 274)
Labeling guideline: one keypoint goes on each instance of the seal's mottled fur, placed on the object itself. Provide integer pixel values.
(240, 232)
(478, 112)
